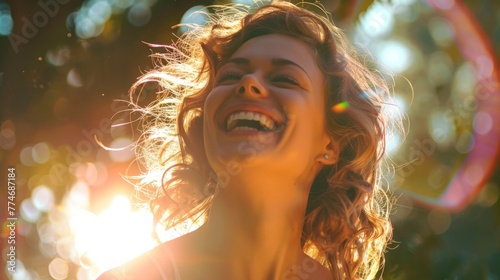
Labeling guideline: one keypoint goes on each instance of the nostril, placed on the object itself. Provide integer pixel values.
(250, 88)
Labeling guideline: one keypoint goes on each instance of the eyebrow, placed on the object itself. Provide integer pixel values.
(274, 62)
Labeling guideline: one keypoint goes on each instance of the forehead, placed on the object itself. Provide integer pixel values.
(277, 46)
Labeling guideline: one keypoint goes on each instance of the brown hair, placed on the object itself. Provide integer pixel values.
(346, 227)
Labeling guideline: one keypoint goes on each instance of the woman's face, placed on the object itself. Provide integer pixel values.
(266, 111)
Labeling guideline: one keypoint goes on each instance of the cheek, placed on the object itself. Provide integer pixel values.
(209, 110)
(310, 113)
(318, 115)
(311, 124)
(210, 102)
(213, 101)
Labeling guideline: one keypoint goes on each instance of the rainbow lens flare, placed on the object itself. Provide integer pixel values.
(471, 175)
(340, 107)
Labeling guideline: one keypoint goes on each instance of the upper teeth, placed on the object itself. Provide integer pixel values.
(264, 120)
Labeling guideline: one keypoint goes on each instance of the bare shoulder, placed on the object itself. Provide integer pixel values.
(309, 268)
(154, 264)
(323, 273)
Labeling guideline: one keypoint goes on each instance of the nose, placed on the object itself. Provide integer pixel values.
(250, 85)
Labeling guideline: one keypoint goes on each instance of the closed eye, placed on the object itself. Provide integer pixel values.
(285, 79)
(228, 77)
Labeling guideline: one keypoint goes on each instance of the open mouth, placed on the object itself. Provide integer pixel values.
(251, 121)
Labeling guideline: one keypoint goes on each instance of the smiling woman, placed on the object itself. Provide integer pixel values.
(247, 138)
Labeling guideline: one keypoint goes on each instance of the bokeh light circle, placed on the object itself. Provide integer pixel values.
(196, 15)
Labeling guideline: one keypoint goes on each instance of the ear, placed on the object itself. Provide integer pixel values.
(329, 152)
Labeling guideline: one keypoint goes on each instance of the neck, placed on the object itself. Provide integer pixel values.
(256, 226)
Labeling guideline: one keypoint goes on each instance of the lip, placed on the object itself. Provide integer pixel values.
(272, 113)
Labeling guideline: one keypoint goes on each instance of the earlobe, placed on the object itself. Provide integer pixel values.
(330, 154)
(328, 158)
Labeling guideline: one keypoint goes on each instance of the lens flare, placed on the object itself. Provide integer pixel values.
(482, 156)
(112, 237)
(341, 107)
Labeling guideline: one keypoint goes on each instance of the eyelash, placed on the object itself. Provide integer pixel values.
(228, 76)
(277, 78)
(286, 79)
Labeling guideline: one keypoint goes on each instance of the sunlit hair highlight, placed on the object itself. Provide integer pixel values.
(346, 227)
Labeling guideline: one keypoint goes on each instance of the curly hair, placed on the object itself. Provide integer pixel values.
(346, 226)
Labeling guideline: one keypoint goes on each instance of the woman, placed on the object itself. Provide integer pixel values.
(271, 133)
